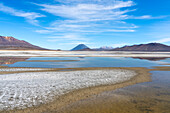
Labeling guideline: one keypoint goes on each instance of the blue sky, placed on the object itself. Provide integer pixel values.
(62, 24)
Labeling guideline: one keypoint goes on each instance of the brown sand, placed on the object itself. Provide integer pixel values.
(147, 101)
(164, 64)
(60, 103)
(138, 99)
(160, 68)
(94, 99)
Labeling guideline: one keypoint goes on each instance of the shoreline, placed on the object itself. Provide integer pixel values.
(51, 60)
(83, 54)
(62, 101)
(152, 96)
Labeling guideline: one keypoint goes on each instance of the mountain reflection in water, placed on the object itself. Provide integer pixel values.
(151, 58)
(11, 60)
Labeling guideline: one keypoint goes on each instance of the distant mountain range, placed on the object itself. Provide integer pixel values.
(141, 47)
(11, 43)
(83, 47)
(145, 47)
(104, 48)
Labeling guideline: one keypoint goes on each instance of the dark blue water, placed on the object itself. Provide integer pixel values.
(88, 62)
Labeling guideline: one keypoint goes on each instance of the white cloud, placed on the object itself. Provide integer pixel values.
(90, 16)
(67, 37)
(119, 3)
(146, 17)
(127, 30)
(120, 45)
(158, 32)
(80, 30)
(143, 17)
(164, 40)
(43, 31)
(89, 12)
(75, 43)
(29, 16)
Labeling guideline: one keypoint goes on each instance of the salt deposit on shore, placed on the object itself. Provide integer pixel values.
(19, 69)
(23, 90)
(82, 53)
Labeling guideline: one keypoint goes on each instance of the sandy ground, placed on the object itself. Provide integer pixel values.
(66, 102)
(92, 89)
(139, 98)
(22, 90)
(82, 54)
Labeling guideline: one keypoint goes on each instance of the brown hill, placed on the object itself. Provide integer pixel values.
(145, 47)
(11, 43)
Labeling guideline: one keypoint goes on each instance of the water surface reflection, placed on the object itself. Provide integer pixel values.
(87, 62)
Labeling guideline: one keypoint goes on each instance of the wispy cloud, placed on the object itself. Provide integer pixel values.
(86, 17)
(75, 43)
(158, 32)
(89, 16)
(67, 37)
(43, 31)
(145, 17)
(120, 45)
(89, 12)
(29, 16)
(127, 30)
(164, 40)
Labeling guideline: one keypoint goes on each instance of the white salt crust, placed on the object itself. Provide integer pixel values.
(19, 69)
(82, 53)
(23, 90)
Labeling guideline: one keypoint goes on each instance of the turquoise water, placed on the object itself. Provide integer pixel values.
(88, 62)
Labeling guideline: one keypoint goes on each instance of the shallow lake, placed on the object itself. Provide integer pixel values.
(149, 97)
(85, 62)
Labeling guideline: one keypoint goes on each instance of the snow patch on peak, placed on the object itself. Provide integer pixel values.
(106, 47)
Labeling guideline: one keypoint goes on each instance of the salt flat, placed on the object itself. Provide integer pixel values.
(21, 90)
(20, 69)
(26, 53)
